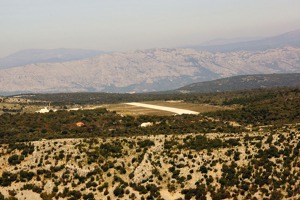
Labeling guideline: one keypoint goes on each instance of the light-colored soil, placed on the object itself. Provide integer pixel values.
(144, 165)
(189, 106)
(130, 109)
(125, 109)
(164, 108)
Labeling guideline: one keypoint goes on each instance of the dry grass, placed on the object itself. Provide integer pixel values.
(125, 109)
(10, 105)
(134, 110)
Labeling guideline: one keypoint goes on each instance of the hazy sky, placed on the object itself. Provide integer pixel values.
(138, 24)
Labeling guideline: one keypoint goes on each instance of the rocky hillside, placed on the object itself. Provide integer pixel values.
(244, 82)
(147, 70)
(256, 165)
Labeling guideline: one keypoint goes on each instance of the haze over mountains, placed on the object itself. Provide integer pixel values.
(31, 56)
(287, 39)
(144, 70)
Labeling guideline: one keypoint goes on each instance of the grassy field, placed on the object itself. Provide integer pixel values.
(134, 110)
(125, 109)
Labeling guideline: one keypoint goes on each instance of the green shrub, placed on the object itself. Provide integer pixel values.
(14, 159)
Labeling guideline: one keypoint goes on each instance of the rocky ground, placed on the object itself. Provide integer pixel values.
(260, 164)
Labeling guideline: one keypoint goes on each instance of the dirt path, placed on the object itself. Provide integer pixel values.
(164, 108)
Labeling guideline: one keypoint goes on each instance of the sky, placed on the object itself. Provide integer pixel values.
(122, 25)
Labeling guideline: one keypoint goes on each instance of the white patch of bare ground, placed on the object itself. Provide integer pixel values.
(164, 108)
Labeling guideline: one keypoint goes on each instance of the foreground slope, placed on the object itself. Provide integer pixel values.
(251, 151)
(148, 70)
(255, 165)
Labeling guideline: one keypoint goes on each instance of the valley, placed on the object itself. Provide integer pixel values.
(149, 100)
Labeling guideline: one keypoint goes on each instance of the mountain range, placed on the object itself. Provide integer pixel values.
(287, 39)
(31, 56)
(142, 70)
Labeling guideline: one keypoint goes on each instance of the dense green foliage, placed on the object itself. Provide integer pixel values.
(264, 108)
(201, 142)
(244, 82)
(99, 122)
(258, 107)
(219, 98)
(100, 98)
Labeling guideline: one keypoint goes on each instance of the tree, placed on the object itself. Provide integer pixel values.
(14, 159)
(1, 196)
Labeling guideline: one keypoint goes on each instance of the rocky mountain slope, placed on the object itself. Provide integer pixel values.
(147, 70)
(244, 82)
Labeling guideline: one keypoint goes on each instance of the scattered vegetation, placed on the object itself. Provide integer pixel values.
(248, 152)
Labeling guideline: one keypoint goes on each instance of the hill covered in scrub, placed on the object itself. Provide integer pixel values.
(244, 82)
(254, 165)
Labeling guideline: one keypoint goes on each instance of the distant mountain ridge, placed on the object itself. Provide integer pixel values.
(33, 56)
(150, 70)
(145, 70)
(243, 82)
(287, 39)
